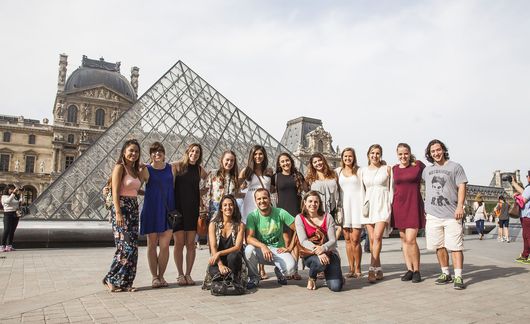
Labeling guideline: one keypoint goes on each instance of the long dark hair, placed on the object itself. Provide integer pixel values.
(312, 193)
(136, 164)
(250, 169)
(236, 215)
(312, 176)
(428, 150)
(7, 188)
(297, 176)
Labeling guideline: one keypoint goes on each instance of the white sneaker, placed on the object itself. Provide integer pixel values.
(500, 239)
(2, 248)
(507, 240)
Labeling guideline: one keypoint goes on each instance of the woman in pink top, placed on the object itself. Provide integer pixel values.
(126, 181)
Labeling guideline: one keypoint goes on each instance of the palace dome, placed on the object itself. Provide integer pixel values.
(93, 73)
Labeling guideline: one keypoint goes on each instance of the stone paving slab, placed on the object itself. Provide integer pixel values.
(64, 286)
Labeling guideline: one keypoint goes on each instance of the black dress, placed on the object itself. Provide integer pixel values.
(288, 197)
(187, 197)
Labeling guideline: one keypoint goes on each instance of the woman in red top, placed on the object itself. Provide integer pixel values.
(407, 208)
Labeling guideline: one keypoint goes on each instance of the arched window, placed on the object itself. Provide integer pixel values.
(31, 139)
(70, 139)
(100, 117)
(29, 193)
(72, 114)
(7, 137)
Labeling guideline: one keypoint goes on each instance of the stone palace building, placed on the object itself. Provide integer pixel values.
(34, 153)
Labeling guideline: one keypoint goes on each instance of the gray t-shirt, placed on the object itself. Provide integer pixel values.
(441, 188)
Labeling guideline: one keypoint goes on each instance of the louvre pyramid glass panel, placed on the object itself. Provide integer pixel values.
(180, 109)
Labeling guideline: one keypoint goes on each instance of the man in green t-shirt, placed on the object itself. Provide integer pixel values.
(265, 242)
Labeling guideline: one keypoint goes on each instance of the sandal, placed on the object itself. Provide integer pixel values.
(110, 287)
(311, 284)
(163, 283)
(351, 275)
(156, 283)
(189, 281)
(181, 280)
(131, 289)
(357, 275)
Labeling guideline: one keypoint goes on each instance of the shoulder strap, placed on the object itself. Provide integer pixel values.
(262, 185)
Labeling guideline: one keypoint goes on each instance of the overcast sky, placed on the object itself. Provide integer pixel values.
(373, 71)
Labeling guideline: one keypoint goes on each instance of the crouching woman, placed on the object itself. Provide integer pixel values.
(316, 234)
(225, 236)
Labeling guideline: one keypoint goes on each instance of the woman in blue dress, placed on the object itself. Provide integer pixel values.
(159, 198)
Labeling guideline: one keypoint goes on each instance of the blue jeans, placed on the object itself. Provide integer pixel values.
(332, 271)
(480, 226)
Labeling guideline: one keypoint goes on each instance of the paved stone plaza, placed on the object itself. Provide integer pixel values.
(64, 286)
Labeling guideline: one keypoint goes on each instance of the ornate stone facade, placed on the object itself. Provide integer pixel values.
(305, 136)
(32, 153)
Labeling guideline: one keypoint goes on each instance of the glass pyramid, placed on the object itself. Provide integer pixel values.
(179, 109)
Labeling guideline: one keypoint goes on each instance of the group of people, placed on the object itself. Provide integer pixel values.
(309, 214)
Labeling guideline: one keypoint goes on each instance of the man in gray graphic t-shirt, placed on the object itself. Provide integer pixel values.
(445, 192)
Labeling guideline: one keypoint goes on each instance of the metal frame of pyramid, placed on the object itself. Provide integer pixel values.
(179, 109)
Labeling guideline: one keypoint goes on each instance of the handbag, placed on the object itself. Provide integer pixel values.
(174, 218)
(226, 286)
(366, 208)
(202, 222)
(515, 211)
(318, 238)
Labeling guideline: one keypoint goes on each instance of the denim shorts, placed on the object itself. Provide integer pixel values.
(504, 223)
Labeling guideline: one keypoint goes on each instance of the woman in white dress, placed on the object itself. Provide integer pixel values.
(351, 200)
(254, 176)
(376, 179)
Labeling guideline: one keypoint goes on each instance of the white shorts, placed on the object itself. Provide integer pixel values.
(444, 233)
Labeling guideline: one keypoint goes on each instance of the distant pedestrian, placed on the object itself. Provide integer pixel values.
(525, 218)
(479, 216)
(445, 193)
(502, 210)
(11, 203)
